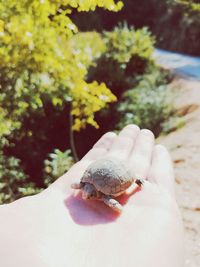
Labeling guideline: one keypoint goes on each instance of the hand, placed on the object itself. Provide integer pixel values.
(57, 228)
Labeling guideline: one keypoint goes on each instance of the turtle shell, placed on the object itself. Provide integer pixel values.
(109, 176)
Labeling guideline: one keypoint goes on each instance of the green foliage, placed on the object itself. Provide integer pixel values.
(128, 53)
(128, 68)
(57, 164)
(148, 104)
(13, 181)
(124, 42)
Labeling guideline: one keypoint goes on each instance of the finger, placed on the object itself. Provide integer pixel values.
(123, 144)
(101, 147)
(161, 171)
(141, 155)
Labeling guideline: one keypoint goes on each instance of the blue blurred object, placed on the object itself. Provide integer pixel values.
(180, 63)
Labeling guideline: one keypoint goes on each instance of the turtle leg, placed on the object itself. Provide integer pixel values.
(139, 182)
(112, 203)
(77, 185)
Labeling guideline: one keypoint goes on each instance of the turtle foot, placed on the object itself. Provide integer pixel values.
(112, 203)
(139, 182)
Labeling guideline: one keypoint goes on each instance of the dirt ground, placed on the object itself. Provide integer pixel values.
(184, 146)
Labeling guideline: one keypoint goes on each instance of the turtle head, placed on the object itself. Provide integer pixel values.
(89, 192)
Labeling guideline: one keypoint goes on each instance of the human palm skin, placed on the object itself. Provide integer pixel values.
(58, 228)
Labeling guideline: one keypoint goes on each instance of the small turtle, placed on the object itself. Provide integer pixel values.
(104, 179)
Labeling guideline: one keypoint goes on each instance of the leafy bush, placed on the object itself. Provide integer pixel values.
(128, 69)
(148, 104)
(128, 53)
(13, 181)
(56, 165)
(124, 42)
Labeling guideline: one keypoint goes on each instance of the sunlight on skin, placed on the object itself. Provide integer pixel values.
(58, 228)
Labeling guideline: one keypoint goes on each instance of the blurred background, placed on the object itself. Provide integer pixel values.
(73, 70)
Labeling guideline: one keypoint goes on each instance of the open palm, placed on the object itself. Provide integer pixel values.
(57, 228)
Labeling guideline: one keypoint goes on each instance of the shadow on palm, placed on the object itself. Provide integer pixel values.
(92, 212)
